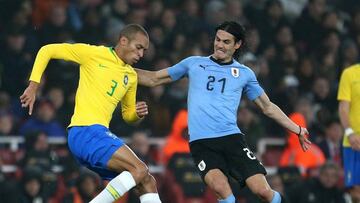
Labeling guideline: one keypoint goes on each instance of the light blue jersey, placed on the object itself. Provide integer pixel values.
(214, 96)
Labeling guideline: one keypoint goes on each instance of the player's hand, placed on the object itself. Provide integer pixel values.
(28, 98)
(354, 140)
(304, 142)
(141, 109)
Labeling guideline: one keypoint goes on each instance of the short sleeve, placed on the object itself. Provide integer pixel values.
(180, 69)
(252, 89)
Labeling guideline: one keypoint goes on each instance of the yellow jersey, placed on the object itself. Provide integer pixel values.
(105, 80)
(349, 90)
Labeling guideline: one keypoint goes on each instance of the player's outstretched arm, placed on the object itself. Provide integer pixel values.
(153, 78)
(71, 52)
(273, 111)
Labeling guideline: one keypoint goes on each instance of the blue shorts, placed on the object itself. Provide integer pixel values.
(93, 147)
(351, 167)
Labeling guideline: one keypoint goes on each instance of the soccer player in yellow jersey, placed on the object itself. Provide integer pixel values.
(349, 112)
(106, 78)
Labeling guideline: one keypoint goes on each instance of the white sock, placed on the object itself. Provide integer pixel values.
(116, 188)
(150, 198)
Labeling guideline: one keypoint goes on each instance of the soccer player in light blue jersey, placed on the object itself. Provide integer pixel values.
(216, 84)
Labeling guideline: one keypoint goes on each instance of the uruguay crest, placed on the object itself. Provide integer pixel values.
(235, 72)
(202, 165)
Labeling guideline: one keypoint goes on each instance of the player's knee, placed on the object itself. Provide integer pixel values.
(220, 186)
(152, 180)
(149, 179)
(140, 173)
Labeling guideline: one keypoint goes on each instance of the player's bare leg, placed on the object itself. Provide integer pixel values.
(132, 172)
(219, 183)
(260, 187)
(124, 159)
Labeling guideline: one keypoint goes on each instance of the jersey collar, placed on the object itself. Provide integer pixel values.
(112, 50)
(221, 63)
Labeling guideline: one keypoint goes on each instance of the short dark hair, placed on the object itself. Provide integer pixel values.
(237, 30)
(131, 29)
(234, 28)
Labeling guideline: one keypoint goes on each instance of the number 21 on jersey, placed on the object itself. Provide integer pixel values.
(210, 83)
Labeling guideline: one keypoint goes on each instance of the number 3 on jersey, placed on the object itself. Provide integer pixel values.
(211, 80)
(115, 84)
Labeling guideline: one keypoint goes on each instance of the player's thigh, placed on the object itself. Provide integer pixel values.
(93, 146)
(207, 157)
(103, 152)
(125, 159)
(241, 160)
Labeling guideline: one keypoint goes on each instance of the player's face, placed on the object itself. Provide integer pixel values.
(224, 46)
(133, 49)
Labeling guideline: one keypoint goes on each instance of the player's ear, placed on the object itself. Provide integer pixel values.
(238, 44)
(123, 41)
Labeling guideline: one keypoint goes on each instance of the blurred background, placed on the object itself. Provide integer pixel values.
(297, 48)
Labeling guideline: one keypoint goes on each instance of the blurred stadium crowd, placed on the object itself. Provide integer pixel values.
(297, 48)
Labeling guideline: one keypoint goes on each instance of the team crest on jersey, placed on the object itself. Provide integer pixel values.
(235, 72)
(202, 165)
(126, 80)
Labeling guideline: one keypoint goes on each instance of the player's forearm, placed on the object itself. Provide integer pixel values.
(145, 77)
(152, 78)
(130, 117)
(344, 108)
(274, 112)
(128, 111)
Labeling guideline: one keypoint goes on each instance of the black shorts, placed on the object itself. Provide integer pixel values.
(230, 154)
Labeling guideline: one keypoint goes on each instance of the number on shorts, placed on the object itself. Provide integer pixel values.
(249, 153)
